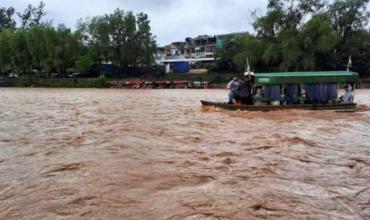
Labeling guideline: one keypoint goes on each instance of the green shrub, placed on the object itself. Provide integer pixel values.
(100, 82)
(212, 67)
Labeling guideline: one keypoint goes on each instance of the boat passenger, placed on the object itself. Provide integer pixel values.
(258, 98)
(347, 98)
(244, 92)
(251, 78)
(232, 86)
(250, 75)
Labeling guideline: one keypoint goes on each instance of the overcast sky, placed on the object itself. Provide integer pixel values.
(171, 20)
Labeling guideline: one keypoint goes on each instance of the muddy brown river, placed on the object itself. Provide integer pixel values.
(157, 154)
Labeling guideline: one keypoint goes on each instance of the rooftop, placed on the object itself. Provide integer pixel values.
(306, 77)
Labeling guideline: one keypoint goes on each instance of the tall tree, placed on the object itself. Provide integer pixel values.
(120, 38)
(5, 50)
(286, 15)
(250, 48)
(350, 19)
(122, 30)
(32, 16)
(146, 41)
(21, 60)
(349, 15)
(6, 18)
(305, 35)
(96, 31)
(225, 55)
(319, 41)
(38, 14)
(68, 48)
(36, 45)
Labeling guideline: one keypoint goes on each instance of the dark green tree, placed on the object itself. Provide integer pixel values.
(6, 18)
(6, 52)
(36, 45)
(349, 16)
(250, 48)
(225, 56)
(32, 16)
(350, 19)
(319, 41)
(21, 59)
(145, 40)
(120, 38)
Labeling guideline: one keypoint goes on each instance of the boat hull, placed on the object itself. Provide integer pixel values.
(267, 108)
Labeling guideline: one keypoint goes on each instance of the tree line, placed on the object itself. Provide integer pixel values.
(36, 45)
(293, 35)
(296, 35)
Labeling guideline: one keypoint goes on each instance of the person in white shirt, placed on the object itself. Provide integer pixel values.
(233, 86)
(347, 98)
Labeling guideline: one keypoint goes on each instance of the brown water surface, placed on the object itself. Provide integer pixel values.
(156, 154)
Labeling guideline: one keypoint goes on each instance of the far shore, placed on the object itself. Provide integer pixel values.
(208, 81)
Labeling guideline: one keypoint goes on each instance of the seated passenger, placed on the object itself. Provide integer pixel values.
(258, 98)
(232, 86)
(347, 98)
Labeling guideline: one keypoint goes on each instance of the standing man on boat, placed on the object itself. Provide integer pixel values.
(248, 73)
(233, 86)
(244, 91)
(245, 88)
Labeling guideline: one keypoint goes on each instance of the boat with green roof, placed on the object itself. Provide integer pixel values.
(313, 91)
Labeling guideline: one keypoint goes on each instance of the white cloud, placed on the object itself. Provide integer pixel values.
(170, 20)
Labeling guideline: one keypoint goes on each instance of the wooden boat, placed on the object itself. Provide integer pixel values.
(299, 79)
(267, 108)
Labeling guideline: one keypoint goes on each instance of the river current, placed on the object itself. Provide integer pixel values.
(157, 154)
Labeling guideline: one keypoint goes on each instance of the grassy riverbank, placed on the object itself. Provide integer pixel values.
(100, 82)
(103, 82)
(212, 78)
(215, 80)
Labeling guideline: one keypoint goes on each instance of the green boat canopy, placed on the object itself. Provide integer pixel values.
(280, 78)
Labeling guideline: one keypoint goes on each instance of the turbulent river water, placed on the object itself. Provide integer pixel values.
(157, 154)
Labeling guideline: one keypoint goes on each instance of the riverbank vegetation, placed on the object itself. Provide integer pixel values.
(292, 35)
(99, 82)
(36, 48)
(297, 35)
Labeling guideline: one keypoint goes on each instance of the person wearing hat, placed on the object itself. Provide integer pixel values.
(347, 98)
(249, 74)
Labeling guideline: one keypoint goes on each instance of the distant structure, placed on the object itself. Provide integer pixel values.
(200, 49)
